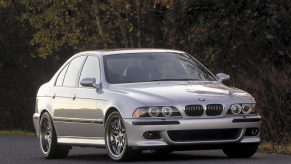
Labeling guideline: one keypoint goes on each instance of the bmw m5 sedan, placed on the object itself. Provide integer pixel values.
(131, 100)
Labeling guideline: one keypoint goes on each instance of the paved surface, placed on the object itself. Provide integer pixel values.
(18, 150)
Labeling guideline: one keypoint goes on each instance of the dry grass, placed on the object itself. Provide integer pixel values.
(268, 147)
(16, 133)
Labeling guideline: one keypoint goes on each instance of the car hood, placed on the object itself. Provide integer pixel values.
(165, 93)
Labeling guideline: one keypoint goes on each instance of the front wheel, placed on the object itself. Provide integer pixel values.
(240, 150)
(116, 138)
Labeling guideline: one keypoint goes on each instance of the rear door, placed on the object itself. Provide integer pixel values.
(63, 95)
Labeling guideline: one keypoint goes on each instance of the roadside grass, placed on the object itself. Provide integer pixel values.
(16, 133)
(268, 147)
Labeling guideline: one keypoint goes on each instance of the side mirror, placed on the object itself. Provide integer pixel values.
(222, 77)
(89, 82)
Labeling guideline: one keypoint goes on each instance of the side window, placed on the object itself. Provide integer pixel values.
(61, 77)
(91, 69)
(73, 72)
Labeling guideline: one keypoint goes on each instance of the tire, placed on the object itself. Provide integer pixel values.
(240, 150)
(116, 139)
(48, 139)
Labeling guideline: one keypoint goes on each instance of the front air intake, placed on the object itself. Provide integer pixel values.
(203, 135)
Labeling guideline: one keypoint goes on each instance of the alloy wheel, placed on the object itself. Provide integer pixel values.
(116, 137)
(45, 135)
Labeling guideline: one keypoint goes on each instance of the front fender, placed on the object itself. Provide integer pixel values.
(122, 102)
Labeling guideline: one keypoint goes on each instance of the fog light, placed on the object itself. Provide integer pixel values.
(151, 135)
(255, 132)
(252, 132)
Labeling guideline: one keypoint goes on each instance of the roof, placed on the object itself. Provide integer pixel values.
(131, 50)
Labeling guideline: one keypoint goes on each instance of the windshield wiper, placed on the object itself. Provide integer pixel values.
(175, 80)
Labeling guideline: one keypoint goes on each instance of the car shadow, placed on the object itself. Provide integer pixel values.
(148, 157)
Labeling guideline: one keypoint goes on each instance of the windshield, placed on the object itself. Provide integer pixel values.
(146, 67)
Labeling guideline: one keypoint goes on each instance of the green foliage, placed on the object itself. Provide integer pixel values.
(83, 25)
(57, 24)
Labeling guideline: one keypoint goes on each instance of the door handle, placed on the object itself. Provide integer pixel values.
(54, 95)
(74, 96)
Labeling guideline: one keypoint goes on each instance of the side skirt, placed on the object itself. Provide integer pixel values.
(82, 141)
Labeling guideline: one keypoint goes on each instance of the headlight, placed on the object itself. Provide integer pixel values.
(248, 108)
(140, 112)
(167, 111)
(242, 109)
(235, 108)
(156, 111)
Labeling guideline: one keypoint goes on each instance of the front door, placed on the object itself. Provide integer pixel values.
(84, 108)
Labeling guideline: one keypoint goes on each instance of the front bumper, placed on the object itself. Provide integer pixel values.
(137, 127)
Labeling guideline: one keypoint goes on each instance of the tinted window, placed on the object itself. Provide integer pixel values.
(73, 72)
(61, 76)
(144, 67)
(90, 69)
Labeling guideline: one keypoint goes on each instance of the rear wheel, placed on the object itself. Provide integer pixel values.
(240, 150)
(116, 139)
(48, 140)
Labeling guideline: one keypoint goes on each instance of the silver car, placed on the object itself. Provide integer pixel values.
(132, 100)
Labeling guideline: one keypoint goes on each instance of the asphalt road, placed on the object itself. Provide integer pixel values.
(18, 150)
